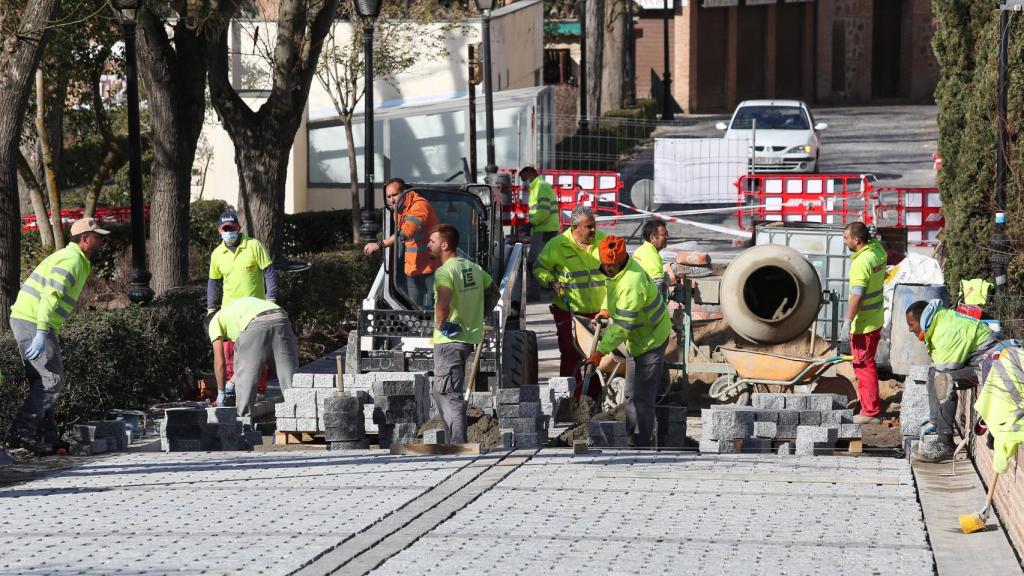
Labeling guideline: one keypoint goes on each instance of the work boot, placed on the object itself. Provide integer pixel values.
(33, 445)
(934, 448)
(6, 458)
(862, 419)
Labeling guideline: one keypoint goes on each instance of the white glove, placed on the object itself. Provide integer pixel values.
(845, 329)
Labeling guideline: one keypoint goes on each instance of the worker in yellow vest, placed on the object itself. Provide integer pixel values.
(641, 320)
(544, 220)
(570, 265)
(864, 315)
(239, 267)
(47, 298)
(260, 329)
(648, 255)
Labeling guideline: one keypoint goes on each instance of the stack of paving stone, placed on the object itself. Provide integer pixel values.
(520, 419)
(399, 410)
(98, 437)
(344, 426)
(813, 422)
(671, 432)
(559, 390)
(206, 429)
(606, 434)
(303, 406)
(914, 410)
(361, 385)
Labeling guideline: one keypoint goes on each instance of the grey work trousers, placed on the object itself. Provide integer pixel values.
(537, 242)
(942, 396)
(644, 374)
(45, 379)
(269, 335)
(449, 388)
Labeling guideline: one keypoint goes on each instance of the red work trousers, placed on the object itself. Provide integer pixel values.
(864, 347)
(570, 355)
(229, 361)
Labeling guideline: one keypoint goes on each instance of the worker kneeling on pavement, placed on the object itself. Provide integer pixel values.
(641, 320)
(570, 265)
(260, 330)
(463, 293)
(45, 301)
(957, 345)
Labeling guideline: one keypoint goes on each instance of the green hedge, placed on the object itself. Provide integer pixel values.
(616, 133)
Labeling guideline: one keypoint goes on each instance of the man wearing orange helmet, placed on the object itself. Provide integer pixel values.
(641, 320)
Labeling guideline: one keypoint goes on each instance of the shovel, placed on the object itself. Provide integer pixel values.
(589, 369)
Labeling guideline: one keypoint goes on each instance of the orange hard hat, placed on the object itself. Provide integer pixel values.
(612, 250)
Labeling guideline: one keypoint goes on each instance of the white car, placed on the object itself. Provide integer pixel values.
(783, 133)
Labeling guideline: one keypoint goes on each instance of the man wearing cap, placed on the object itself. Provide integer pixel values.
(569, 264)
(260, 330)
(45, 301)
(414, 219)
(544, 219)
(241, 266)
(640, 319)
(464, 293)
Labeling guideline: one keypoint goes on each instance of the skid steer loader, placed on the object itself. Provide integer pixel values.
(394, 332)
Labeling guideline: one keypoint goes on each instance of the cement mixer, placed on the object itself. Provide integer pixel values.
(769, 294)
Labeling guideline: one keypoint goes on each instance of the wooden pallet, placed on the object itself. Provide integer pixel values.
(312, 440)
(435, 449)
(843, 446)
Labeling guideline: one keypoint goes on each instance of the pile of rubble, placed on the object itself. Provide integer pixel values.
(814, 423)
(209, 429)
(520, 419)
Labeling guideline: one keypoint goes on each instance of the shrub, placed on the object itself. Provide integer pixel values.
(125, 358)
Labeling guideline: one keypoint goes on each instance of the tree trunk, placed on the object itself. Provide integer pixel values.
(114, 157)
(595, 55)
(175, 80)
(18, 60)
(35, 194)
(263, 139)
(47, 153)
(353, 170)
(614, 62)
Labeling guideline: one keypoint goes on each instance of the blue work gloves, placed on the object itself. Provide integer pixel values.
(220, 398)
(37, 346)
(450, 329)
(226, 397)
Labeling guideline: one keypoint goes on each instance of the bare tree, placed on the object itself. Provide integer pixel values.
(23, 31)
(402, 41)
(263, 138)
(46, 151)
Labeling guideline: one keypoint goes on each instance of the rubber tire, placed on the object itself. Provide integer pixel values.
(749, 325)
(514, 351)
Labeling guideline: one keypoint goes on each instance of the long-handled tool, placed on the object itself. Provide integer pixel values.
(475, 364)
(970, 523)
(589, 369)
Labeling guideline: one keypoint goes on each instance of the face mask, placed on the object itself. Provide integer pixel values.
(229, 236)
(920, 336)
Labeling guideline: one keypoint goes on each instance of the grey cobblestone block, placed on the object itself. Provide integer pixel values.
(395, 387)
(531, 440)
(287, 425)
(785, 449)
(529, 393)
(482, 400)
(325, 380)
(342, 404)
(765, 429)
(796, 401)
(354, 445)
(766, 416)
(350, 433)
(306, 424)
(396, 402)
(728, 424)
(435, 436)
(837, 417)
(306, 410)
(508, 410)
(341, 419)
(508, 438)
(769, 401)
(848, 431)
(508, 396)
(671, 430)
(300, 396)
(221, 414)
(530, 410)
(717, 447)
(788, 417)
(825, 402)
(913, 407)
(817, 434)
(284, 410)
(302, 380)
(810, 418)
(173, 416)
(233, 429)
(522, 425)
(785, 431)
(389, 434)
(757, 445)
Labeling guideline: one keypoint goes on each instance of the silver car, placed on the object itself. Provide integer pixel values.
(783, 135)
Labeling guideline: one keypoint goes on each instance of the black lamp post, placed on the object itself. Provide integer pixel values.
(666, 84)
(485, 9)
(139, 292)
(369, 10)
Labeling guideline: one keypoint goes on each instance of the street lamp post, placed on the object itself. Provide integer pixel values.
(666, 84)
(369, 10)
(139, 291)
(484, 6)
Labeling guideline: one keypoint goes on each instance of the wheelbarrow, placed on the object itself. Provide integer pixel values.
(612, 365)
(754, 369)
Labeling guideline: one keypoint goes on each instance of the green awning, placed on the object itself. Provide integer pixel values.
(562, 28)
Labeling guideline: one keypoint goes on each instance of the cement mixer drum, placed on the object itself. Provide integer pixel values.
(770, 294)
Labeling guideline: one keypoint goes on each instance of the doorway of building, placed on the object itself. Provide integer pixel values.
(886, 53)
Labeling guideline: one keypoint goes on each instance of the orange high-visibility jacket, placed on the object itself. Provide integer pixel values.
(416, 218)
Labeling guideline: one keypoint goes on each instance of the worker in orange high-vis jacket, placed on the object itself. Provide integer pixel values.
(415, 218)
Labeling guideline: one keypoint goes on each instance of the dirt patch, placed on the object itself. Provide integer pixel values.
(580, 432)
(577, 410)
(481, 428)
(884, 435)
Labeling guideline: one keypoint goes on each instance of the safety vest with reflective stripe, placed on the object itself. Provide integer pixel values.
(415, 221)
(648, 257)
(952, 338)
(1001, 404)
(49, 294)
(562, 260)
(543, 206)
(638, 310)
(867, 271)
